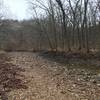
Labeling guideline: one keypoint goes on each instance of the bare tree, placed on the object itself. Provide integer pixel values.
(71, 20)
(64, 24)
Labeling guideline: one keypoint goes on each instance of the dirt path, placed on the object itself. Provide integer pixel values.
(47, 80)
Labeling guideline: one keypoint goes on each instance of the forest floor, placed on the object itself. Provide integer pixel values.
(49, 76)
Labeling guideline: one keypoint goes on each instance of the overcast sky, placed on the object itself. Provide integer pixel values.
(18, 9)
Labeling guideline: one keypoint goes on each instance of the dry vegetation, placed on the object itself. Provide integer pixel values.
(49, 76)
(65, 64)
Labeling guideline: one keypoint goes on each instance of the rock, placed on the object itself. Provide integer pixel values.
(63, 92)
(94, 81)
(74, 85)
(98, 85)
(97, 78)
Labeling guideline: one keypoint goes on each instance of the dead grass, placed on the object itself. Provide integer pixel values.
(9, 77)
(48, 77)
